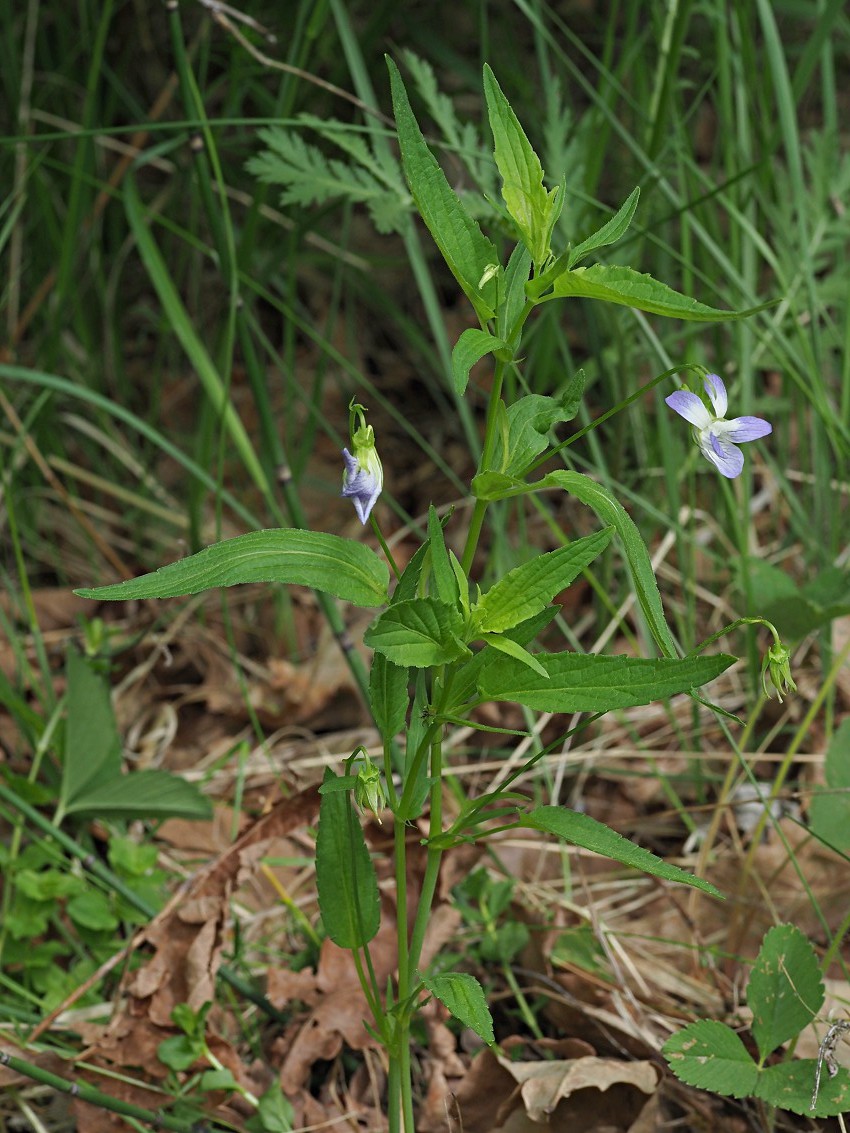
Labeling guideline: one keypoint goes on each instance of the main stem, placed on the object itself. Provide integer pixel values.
(480, 509)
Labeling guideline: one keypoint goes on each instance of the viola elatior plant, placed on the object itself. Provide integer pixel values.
(718, 438)
(445, 643)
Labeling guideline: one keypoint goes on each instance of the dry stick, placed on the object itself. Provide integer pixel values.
(221, 19)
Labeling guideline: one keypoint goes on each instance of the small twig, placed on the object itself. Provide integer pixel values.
(826, 1054)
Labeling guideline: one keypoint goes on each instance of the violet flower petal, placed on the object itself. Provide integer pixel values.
(689, 406)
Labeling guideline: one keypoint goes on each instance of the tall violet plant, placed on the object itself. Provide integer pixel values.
(442, 647)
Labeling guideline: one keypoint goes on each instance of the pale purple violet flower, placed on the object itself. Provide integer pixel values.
(363, 477)
(718, 438)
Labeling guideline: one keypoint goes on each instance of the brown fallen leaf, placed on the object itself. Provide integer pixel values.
(544, 1084)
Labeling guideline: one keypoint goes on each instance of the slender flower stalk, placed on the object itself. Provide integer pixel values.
(718, 438)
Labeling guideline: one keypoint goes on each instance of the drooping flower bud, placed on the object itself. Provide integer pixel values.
(363, 478)
(776, 667)
(369, 792)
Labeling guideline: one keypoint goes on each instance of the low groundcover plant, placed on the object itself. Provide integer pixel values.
(441, 647)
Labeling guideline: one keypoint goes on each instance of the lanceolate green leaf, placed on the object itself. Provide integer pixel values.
(609, 233)
(470, 348)
(463, 995)
(465, 248)
(612, 512)
(631, 288)
(582, 830)
(142, 794)
(388, 695)
(528, 202)
(347, 884)
(348, 570)
(418, 632)
(528, 588)
(92, 743)
(580, 682)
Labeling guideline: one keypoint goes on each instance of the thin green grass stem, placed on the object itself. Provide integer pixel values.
(156, 1119)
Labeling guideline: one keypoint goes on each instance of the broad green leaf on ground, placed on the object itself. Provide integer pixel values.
(710, 1055)
(586, 682)
(631, 288)
(347, 884)
(388, 695)
(526, 589)
(470, 348)
(418, 633)
(92, 909)
(92, 743)
(581, 830)
(467, 251)
(785, 991)
(142, 794)
(789, 1085)
(609, 233)
(829, 809)
(533, 209)
(463, 995)
(348, 570)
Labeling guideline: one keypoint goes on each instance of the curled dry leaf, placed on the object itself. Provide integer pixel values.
(544, 1084)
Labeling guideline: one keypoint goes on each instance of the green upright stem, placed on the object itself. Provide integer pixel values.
(478, 512)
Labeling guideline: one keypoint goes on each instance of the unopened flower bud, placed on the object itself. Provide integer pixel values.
(777, 668)
(363, 478)
(369, 793)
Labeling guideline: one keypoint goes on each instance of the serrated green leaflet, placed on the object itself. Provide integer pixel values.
(710, 1055)
(631, 288)
(785, 991)
(582, 830)
(526, 589)
(788, 1085)
(348, 570)
(528, 202)
(470, 348)
(581, 682)
(463, 995)
(347, 884)
(465, 248)
(417, 633)
(529, 421)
